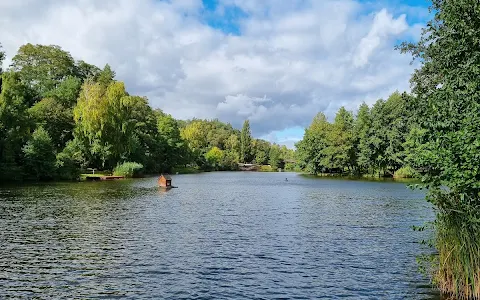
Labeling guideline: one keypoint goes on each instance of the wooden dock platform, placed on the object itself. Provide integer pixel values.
(111, 177)
(97, 178)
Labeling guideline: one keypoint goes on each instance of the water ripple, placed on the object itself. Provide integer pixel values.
(219, 235)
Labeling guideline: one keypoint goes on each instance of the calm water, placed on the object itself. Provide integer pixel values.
(217, 236)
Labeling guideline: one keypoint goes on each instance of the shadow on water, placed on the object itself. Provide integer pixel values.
(360, 179)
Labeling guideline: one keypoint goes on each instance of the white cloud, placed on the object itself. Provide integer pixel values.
(292, 59)
(384, 26)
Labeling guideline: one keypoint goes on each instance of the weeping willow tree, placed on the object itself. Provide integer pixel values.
(447, 106)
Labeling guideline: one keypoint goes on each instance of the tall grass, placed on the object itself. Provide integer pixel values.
(406, 172)
(457, 271)
(129, 170)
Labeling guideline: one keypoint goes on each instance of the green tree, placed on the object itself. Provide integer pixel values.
(195, 135)
(340, 151)
(71, 160)
(174, 148)
(106, 76)
(262, 149)
(447, 103)
(363, 123)
(40, 155)
(214, 158)
(15, 124)
(43, 67)
(246, 142)
(56, 119)
(275, 157)
(86, 71)
(311, 149)
(66, 92)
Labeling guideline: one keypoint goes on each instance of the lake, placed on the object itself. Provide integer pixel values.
(222, 235)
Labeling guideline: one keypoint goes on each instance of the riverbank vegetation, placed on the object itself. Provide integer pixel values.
(432, 133)
(446, 106)
(374, 142)
(60, 117)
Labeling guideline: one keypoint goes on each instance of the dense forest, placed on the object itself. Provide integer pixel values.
(59, 117)
(377, 141)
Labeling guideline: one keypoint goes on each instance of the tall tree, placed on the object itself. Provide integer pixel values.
(174, 148)
(86, 71)
(106, 76)
(56, 119)
(447, 92)
(40, 155)
(246, 142)
(363, 123)
(66, 92)
(15, 123)
(311, 149)
(43, 67)
(340, 150)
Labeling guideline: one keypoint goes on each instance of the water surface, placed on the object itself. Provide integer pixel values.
(229, 235)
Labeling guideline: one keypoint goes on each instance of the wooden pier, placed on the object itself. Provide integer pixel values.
(97, 178)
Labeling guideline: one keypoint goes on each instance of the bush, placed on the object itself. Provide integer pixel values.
(129, 170)
(40, 156)
(405, 172)
(266, 168)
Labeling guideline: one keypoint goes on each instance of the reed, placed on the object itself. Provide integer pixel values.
(457, 271)
(129, 169)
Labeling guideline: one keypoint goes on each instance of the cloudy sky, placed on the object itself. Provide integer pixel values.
(275, 62)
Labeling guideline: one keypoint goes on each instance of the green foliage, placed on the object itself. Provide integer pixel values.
(311, 149)
(266, 168)
(91, 121)
(446, 108)
(84, 71)
(43, 67)
(56, 119)
(276, 160)
(174, 149)
(66, 92)
(106, 76)
(15, 124)
(246, 143)
(374, 141)
(406, 172)
(39, 155)
(361, 135)
(70, 160)
(129, 170)
(214, 158)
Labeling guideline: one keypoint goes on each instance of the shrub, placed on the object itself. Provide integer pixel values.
(129, 170)
(266, 168)
(406, 172)
(39, 155)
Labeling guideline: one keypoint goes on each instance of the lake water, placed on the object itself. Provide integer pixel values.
(229, 235)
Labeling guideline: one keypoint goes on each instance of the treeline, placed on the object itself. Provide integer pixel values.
(218, 146)
(59, 116)
(376, 141)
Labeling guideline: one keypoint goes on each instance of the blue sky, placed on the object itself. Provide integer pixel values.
(276, 63)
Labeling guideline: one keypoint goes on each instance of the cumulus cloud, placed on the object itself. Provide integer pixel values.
(384, 25)
(291, 59)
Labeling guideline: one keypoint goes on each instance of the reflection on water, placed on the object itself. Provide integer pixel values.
(219, 235)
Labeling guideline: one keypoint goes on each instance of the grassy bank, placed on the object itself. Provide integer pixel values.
(186, 170)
